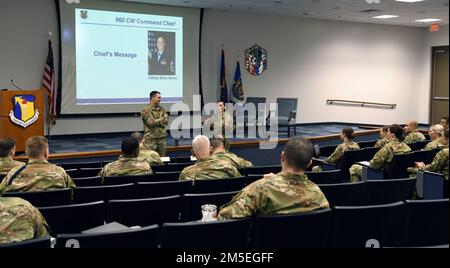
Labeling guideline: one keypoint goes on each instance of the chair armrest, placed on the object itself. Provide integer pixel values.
(430, 185)
(372, 174)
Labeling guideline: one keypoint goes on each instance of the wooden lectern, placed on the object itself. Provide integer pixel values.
(10, 100)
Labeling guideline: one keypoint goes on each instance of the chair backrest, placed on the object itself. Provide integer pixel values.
(193, 202)
(306, 230)
(220, 234)
(97, 193)
(257, 101)
(161, 189)
(32, 243)
(325, 177)
(348, 159)
(89, 181)
(343, 194)
(261, 170)
(286, 106)
(418, 145)
(327, 150)
(399, 165)
(171, 167)
(83, 172)
(359, 227)
(181, 159)
(81, 165)
(167, 176)
(368, 153)
(114, 180)
(146, 237)
(379, 192)
(145, 212)
(219, 185)
(365, 144)
(2, 176)
(425, 156)
(45, 198)
(425, 223)
(74, 218)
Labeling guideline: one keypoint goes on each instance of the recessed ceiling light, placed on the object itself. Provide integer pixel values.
(385, 17)
(428, 20)
(410, 1)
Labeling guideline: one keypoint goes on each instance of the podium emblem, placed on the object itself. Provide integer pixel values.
(24, 113)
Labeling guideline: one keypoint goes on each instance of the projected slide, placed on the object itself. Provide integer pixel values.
(121, 57)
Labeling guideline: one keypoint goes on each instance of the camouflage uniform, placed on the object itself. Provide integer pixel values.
(338, 153)
(155, 123)
(209, 168)
(382, 158)
(38, 175)
(283, 193)
(381, 143)
(219, 121)
(126, 166)
(439, 164)
(235, 160)
(414, 136)
(149, 156)
(6, 164)
(436, 144)
(20, 221)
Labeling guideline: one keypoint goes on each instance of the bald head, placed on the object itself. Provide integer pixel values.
(200, 146)
(410, 126)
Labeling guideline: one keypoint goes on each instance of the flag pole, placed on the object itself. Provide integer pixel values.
(49, 120)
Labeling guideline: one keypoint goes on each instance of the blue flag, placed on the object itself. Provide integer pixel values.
(223, 82)
(237, 91)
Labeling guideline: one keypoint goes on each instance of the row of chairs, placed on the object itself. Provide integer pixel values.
(370, 192)
(100, 164)
(401, 224)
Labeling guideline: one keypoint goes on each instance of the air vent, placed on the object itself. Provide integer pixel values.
(368, 11)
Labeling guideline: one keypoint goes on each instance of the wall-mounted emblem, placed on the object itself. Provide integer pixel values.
(256, 60)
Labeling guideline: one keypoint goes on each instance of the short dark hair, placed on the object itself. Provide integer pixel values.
(216, 142)
(36, 145)
(129, 146)
(385, 128)
(298, 151)
(154, 93)
(138, 136)
(397, 131)
(6, 145)
(349, 133)
(446, 134)
(445, 118)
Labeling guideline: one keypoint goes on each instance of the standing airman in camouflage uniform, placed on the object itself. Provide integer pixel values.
(221, 123)
(145, 154)
(436, 132)
(440, 161)
(19, 221)
(38, 174)
(155, 120)
(383, 139)
(347, 136)
(287, 192)
(7, 152)
(412, 134)
(384, 156)
(128, 164)
(218, 152)
(207, 167)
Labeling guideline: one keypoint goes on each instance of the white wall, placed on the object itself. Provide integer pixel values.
(310, 59)
(316, 60)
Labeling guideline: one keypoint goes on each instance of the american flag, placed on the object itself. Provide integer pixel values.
(48, 82)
